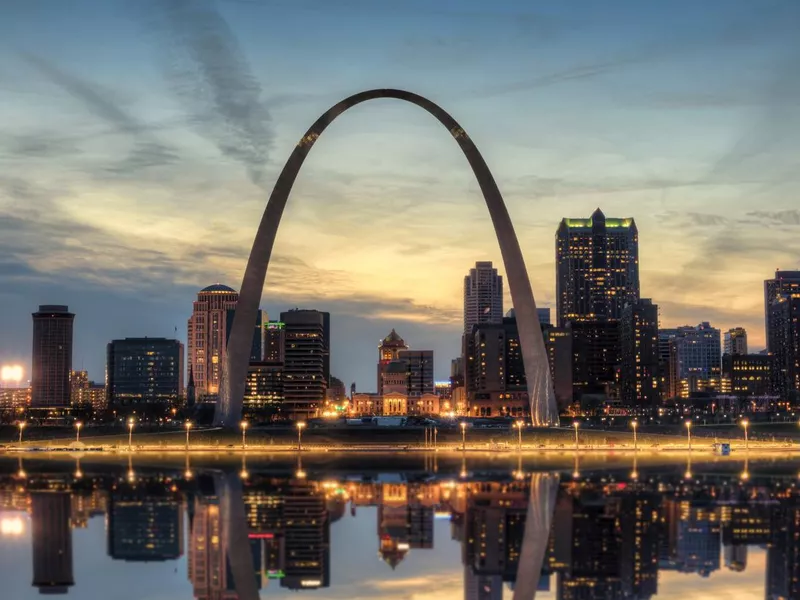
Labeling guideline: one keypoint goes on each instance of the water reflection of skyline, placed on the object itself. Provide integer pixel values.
(609, 538)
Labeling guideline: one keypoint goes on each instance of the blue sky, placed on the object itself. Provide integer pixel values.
(141, 140)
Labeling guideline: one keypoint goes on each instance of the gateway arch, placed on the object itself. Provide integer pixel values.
(537, 371)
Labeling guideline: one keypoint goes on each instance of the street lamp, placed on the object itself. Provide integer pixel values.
(745, 423)
(576, 424)
(519, 425)
(244, 426)
(21, 426)
(130, 434)
(463, 436)
(300, 426)
(689, 434)
(188, 427)
(634, 424)
(78, 426)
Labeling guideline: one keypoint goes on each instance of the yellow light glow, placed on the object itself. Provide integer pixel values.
(12, 526)
(11, 373)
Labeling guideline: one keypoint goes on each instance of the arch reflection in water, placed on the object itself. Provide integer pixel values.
(606, 535)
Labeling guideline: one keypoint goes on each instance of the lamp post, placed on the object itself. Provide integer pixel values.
(188, 427)
(21, 426)
(689, 434)
(576, 424)
(519, 425)
(463, 436)
(244, 425)
(300, 426)
(634, 424)
(745, 423)
(130, 434)
(78, 426)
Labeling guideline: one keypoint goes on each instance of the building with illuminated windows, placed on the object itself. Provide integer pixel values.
(305, 379)
(263, 392)
(597, 264)
(639, 373)
(388, 352)
(144, 527)
(784, 345)
(483, 296)
(144, 372)
(746, 375)
(695, 360)
(274, 342)
(785, 283)
(207, 334)
(259, 333)
(735, 341)
(52, 357)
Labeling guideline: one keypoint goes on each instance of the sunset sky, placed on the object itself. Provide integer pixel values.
(141, 139)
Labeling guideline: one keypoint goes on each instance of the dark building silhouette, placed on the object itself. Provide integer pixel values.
(558, 343)
(307, 537)
(784, 283)
(144, 371)
(144, 527)
(597, 264)
(52, 357)
(304, 378)
(639, 519)
(639, 368)
(596, 357)
(419, 369)
(784, 345)
(783, 552)
(52, 542)
(275, 342)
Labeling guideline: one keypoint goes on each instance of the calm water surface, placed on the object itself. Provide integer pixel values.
(153, 531)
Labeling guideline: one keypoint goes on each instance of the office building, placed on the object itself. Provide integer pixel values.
(275, 342)
(665, 337)
(784, 283)
(304, 381)
(263, 392)
(52, 542)
(207, 334)
(735, 341)
(52, 357)
(144, 372)
(597, 264)
(695, 360)
(558, 344)
(544, 316)
(784, 319)
(596, 358)
(639, 375)
(419, 369)
(483, 296)
(747, 375)
(495, 381)
(388, 351)
(144, 527)
(259, 334)
(307, 531)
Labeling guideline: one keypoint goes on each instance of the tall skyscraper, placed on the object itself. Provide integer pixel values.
(784, 282)
(597, 263)
(735, 341)
(596, 357)
(144, 373)
(52, 357)
(483, 296)
(639, 377)
(388, 351)
(207, 337)
(558, 343)
(52, 542)
(695, 360)
(304, 380)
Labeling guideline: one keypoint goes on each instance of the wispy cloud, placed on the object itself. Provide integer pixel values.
(209, 74)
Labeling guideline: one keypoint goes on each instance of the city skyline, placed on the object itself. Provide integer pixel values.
(715, 218)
